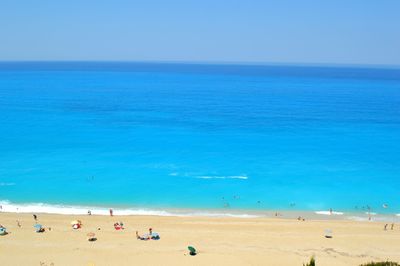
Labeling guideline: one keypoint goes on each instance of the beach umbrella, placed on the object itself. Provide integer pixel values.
(38, 228)
(91, 236)
(3, 231)
(76, 226)
(328, 233)
(192, 250)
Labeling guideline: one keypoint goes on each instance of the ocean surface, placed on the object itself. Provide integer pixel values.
(206, 137)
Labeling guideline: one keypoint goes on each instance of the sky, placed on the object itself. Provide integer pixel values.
(248, 31)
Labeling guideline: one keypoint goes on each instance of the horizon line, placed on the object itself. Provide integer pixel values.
(237, 63)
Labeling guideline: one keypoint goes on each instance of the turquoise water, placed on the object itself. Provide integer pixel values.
(200, 136)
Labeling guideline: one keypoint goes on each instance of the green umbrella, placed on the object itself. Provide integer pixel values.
(192, 250)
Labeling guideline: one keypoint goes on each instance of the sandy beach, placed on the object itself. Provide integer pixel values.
(219, 241)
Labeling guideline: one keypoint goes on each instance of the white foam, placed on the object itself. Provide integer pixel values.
(358, 218)
(329, 213)
(82, 210)
(244, 177)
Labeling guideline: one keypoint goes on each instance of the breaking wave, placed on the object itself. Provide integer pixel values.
(7, 206)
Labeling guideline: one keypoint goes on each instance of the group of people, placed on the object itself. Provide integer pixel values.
(301, 218)
(119, 226)
(150, 236)
(386, 225)
(89, 212)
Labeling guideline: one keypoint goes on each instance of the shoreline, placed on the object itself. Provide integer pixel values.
(43, 208)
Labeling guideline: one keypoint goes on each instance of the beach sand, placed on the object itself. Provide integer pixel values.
(219, 241)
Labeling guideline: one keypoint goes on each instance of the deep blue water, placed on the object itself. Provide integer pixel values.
(200, 136)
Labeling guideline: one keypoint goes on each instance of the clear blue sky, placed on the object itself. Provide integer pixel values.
(280, 31)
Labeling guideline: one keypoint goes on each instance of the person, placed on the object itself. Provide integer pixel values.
(89, 212)
(111, 212)
(151, 235)
(145, 237)
(385, 227)
(35, 217)
(118, 226)
(392, 226)
(330, 211)
(18, 224)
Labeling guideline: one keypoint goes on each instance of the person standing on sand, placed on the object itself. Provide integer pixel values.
(111, 212)
(385, 227)
(35, 217)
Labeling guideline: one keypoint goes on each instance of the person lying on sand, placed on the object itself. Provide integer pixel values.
(144, 237)
(151, 235)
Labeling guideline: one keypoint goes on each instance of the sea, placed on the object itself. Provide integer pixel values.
(206, 139)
